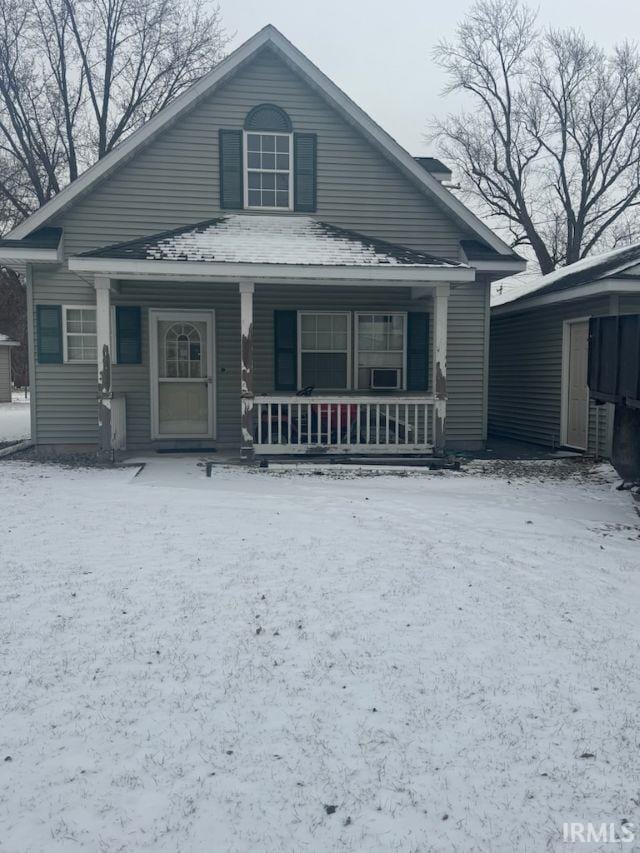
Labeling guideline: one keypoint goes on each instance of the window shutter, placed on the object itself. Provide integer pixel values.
(230, 153)
(285, 328)
(49, 326)
(128, 343)
(304, 166)
(417, 351)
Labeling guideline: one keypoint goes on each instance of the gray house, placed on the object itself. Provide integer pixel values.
(260, 267)
(5, 367)
(539, 352)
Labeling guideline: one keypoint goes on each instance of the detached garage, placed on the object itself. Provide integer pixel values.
(539, 352)
(5, 367)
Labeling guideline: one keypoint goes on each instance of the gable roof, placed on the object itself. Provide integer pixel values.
(595, 271)
(269, 36)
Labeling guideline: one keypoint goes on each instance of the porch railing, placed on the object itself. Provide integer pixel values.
(366, 424)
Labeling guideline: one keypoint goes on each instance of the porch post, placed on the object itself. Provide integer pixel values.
(440, 314)
(246, 369)
(102, 286)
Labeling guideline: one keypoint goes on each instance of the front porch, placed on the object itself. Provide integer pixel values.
(331, 358)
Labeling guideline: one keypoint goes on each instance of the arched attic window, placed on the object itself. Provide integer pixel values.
(265, 165)
(268, 138)
(268, 117)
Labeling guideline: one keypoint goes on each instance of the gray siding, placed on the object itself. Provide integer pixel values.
(5, 374)
(174, 181)
(525, 376)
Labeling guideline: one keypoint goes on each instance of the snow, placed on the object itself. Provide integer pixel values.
(521, 285)
(15, 423)
(273, 239)
(193, 664)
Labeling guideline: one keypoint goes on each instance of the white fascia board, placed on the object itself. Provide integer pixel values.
(333, 93)
(200, 270)
(26, 255)
(9, 343)
(499, 266)
(596, 288)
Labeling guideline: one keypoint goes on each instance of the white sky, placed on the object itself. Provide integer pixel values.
(380, 52)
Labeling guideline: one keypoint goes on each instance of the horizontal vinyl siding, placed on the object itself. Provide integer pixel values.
(466, 356)
(5, 374)
(525, 377)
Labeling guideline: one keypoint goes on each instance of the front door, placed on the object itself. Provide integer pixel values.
(577, 404)
(182, 374)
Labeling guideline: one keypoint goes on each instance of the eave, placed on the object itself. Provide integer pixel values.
(233, 272)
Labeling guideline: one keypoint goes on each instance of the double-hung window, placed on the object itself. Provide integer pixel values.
(325, 350)
(381, 349)
(268, 166)
(79, 333)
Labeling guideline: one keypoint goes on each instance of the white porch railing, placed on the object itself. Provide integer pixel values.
(367, 424)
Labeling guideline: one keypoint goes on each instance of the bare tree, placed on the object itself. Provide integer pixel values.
(76, 76)
(551, 147)
(13, 322)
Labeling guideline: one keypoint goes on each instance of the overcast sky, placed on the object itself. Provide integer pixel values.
(380, 52)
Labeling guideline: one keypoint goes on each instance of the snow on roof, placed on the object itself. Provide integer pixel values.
(270, 239)
(585, 271)
(6, 341)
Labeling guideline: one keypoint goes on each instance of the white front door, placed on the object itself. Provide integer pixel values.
(182, 363)
(577, 401)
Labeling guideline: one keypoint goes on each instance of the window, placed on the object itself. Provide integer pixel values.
(325, 344)
(381, 343)
(79, 333)
(268, 170)
(183, 352)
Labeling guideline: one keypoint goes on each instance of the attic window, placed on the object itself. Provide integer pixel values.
(268, 154)
(268, 117)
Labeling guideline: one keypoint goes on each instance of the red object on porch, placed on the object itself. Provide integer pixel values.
(348, 414)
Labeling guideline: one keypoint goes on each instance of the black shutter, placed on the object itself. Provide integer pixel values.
(417, 351)
(304, 169)
(49, 326)
(128, 343)
(285, 329)
(230, 152)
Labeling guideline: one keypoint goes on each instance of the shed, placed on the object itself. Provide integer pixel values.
(538, 383)
(5, 367)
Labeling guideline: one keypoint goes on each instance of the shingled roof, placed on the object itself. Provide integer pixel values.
(586, 271)
(271, 239)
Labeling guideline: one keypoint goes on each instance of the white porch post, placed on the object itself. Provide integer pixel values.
(102, 286)
(246, 369)
(440, 317)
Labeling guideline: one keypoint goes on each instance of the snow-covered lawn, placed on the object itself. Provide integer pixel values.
(14, 419)
(265, 661)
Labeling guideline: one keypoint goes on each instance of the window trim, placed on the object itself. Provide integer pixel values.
(245, 169)
(356, 348)
(348, 350)
(65, 355)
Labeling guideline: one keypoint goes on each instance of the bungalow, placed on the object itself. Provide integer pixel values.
(539, 351)
(261, 268)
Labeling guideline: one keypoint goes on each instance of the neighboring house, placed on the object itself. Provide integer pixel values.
(5, 367)
(260, 236)
(539, 352)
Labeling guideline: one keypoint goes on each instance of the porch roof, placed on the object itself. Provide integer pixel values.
(270, 239)
(270, 245)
